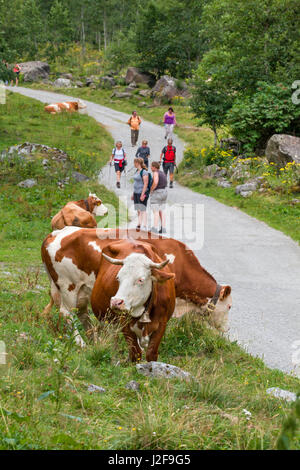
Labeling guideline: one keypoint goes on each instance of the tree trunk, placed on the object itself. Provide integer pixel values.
(104, 30)
(216, 139)
(82, 33)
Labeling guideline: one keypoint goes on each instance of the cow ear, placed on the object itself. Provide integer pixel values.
(225, 292)
(161, 276)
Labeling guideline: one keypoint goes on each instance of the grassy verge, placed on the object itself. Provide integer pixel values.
(272, 209)
(44, 398)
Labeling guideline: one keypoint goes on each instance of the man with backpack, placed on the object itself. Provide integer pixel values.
(134, 122)
(168, 155)
(118, 156)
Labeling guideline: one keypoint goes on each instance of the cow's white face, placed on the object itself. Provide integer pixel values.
(99, 209)
(135, 285)
(219, 317)
(81, 105)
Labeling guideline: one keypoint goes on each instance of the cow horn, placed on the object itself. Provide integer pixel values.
(113, 260)
(160, 265)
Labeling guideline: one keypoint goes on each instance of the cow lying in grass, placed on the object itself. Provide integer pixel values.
(79, 213)
(135, 285)
(72, 259)
(69, 106)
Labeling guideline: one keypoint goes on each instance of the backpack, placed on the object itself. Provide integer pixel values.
(150, 180)
(165, 151)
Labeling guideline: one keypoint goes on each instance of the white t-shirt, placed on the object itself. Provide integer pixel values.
(118, 154)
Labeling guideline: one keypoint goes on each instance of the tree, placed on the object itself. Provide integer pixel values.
(210, 103)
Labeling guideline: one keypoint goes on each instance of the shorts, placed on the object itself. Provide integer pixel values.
(117, 168)
(168, 166)
(158, 199)
(138, 204)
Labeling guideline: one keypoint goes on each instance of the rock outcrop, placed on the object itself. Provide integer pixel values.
(282, 149)
(34, 71)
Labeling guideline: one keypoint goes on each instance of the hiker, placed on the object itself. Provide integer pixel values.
(141, 190)
(118, 156)
(169, 123)
(134, 122)
(169, 160)
(144, 152)
(158, 198)
(16, 71)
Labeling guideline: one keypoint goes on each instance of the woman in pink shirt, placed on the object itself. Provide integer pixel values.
(169, 123)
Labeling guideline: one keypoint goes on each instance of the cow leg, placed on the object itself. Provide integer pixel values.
(69, 303)
(155, 339)
(83, 298)
(54, 299)
(135, 352)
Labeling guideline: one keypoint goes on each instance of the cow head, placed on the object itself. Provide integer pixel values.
(136, 282)
(219, 315)
(96, 205)
(81, 105)
(216, 316)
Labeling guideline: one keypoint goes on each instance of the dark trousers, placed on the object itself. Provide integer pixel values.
(134, 136)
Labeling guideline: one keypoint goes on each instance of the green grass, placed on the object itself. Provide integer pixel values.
(272, 208)
(44, 400)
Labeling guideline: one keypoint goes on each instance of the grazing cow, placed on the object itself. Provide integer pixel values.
(79, 213)
(141, 293)
(69, 106)
(72, 259)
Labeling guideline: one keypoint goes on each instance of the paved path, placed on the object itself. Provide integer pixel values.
(261, 264)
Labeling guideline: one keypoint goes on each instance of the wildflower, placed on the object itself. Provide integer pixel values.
(247, 413)
(120, 427)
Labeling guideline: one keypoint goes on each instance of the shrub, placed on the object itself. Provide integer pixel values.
(253, 120)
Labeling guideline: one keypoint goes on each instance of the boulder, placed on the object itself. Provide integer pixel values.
(79, 177)
(136, 75)
(246, 193)
(121, 94)
(62, 83)
(133, 385)
(166, 88)
(89, 81)
(240, 171)
(211, 170)
(160, 369)
(249, 186)
(95, 388)
(34, 71)
(282, 149)
(283, 394)
(79, 84)
(224, 183)
(69, 76)
(145, 93)
(27, 183)
(107, 82)
(28, 150)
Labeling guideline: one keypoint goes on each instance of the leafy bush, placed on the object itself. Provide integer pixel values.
(270, 110)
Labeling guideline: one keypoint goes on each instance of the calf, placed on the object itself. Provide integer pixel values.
(69, 106)
(135, 282)
(79, 213)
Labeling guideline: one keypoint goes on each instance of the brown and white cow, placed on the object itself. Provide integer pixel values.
(134, 281)
(69, 106)
(72, 258)
(79, 213)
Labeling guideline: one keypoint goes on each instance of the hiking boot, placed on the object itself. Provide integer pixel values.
(118, 184)
(171, 184)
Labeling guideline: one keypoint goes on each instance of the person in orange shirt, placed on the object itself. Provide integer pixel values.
(134, 122)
